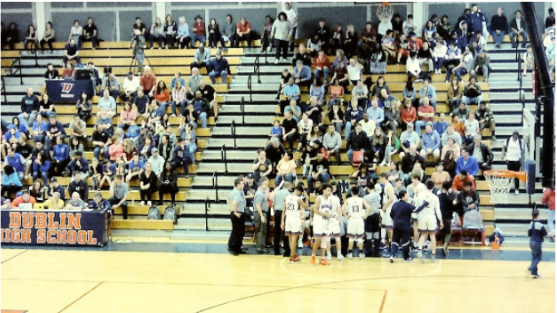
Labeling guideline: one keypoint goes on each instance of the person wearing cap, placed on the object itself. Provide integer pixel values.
(431, 143)
(499, 27)
(518, 28)
(198, 31)
(55, 187)
(130, 87)
(219, 67)
(156, 161)
(202, 57)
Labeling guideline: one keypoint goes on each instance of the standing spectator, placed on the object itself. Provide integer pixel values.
(467, 162)
(332, 142)
(201, 58)
(481, 153)
(472, 92)
(262, 216)
(119, 193)
(198, 31)
(512, 153)
(157, 32)
(214, 34)
(528, 60)
(170, 31)
(518, 28)
(237, 203)
(71, 52)
(430, 143)
(281, 32)
(357, 141)
(499, 27)
(183, 34)
(90, 33)
(293, 18)
(320, 171)
(476, 19)
(48, 38)
(426, 113)
(324, 34)
(409, 160)
(243, 32)
(414, 69)
(351, 41)
(481, 65)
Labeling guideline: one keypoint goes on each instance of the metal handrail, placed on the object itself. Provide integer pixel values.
(516, 48)
(4, 90)
(243, 112)
(249, 88)
(224, 158)
(11, 68)
(36, 58)
(207, 206)
(233, 132)
(257, 70)
(216, 185)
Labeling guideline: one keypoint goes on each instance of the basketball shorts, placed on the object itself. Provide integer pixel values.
(334, 228)
(414, 217)
(427, 223)
(372, 224)
(387, 222)
(293, 225)
(320, 227)
(355, 227)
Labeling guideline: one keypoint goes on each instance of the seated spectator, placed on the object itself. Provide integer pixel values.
(201, 58)
(319, 171)
(178, 98)
(219, 67)
(243, 32)
(354, 71)
(201, 107)
(450, 143)
(138, 25)
(336, 93)
(51, 72)
(439, 53)
(485, 119)
(481, 153)
(337, 37)
(170, 31)
(60, 157)
(454, 94)
(71, 52)
(198, 31)
(79, 165)
(469, 197)
(472, 128)
(54, 202)
(177, 78)
(385, 100)
(364, 55)
(181, 154)
(408, 138)
(115, 149)
(100, 141)
(162, 94)
(290, 126)
(428, 91)
(376, 113)
(90, 33)
(452, 58)
(518, 28)
(135, 167)
(305, 127)
(106, 122)
(528, 60)
(130, 87)
(262, 167)
(276, 131)
(414, 69)
(168, 184)
(356, 141)
(147, 185)
(369, 34)
(190, 116)
(291, 91)
(301, 74)
(426, 113)
(97, 175)
(157, 32)
(332, 142)
(11, 183)
(148, 82)
(410, 159)
(190, 141)
(38, 130)
(498, 27)
(75, 203)
(69, 71)
(155, 159)
(75, 146)
(321, 65)
(11, 138)
(141, 104)
(339, 58)
(467, 162)
(462, 111)
(458, 126)
(24, 198)
(353, 116)
(314, 45)
(463, 68)
(274, 151)
(317, 91)
(441, 125)
(286, 169)
(388, 46)
(449, 163)
(183, 34)
(361, 92)
(378, 143)
(430, 143)
(407, 114)
(228, 33)
(11, 37)
(294, 109)
(119, 192)
(107, 105)
(284, 81)
(111, 83)
(341, 75)
(127, 116)
(17, 161)
(481, 65)
(425, 56)
(440, 176)
(336, 117)
(392, 117)
(368, 126)
(54, 129)
(392, 146)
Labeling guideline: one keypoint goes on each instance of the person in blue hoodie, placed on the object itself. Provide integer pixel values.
(54, 129)
(60, 157)
(476, 18)
(11, 137)
(467, 162)
(41, 165)
(218, 67)
(10, 181)
(17, 161)
(79, 164)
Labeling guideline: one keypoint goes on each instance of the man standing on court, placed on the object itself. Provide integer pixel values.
(278, 197)
(238, 203)
(401, 214)
(261, 204)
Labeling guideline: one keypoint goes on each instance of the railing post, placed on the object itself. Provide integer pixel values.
(36, 58)
(216, 186)
(207, 204)
(224, 158)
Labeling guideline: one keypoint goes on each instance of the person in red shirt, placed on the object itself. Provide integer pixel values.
(24, 198)
(369, 34)
(321, 64)
(548, 199)
(426, 113)
(408, 114)
(162, 94)
(415, 43)
(460, 179)
(198, 31)
(243, 32)
(148, 81)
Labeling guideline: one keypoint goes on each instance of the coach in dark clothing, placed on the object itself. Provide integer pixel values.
(410, 159)
(357, 141)
(324, 34)
(401, 214)
(274, 151)
(237, 203)
(290, 129)
(482, 153)
(447, 208)
(499, 27)
(80, 186)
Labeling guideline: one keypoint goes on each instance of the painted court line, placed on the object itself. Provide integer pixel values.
(22, 252)
(81, 297)
(26, 265)
(383, 301)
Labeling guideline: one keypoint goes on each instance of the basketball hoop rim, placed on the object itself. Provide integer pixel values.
(506, 174)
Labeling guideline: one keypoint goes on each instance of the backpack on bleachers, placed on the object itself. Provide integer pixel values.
(170, 214)
(154, 213)
(472, 220)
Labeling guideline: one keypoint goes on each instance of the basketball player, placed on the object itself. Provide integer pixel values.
(401, 214)
(322, 214)
(413, 190)
(356, 215)
(427, 220)
(334, 229)
(373, 221)
(293, 220)
(388, 200)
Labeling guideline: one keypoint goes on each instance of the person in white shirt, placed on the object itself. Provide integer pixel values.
(408, 26)
(414, 69)
(472, 127)
(439, 53)
(293, 18)
(368, 125)
(130, 86)
(107, 105)
(354, 70)
(512, 153)
(427, 220)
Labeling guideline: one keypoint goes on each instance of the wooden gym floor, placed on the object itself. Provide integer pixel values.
(83, 281)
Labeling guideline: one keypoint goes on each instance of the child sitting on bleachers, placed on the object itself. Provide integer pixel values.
(277, 130)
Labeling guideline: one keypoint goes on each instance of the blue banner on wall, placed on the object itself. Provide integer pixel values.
(72, 228)
(68, 90)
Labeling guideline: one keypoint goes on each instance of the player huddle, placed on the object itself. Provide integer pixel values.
(369, 219)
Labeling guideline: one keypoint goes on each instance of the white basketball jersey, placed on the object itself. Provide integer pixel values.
(292, 207)
(386, 198)
(325, 206)
(355, 207)
(336, 205)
